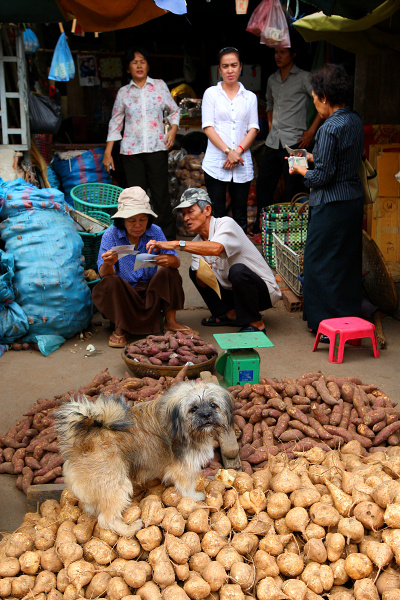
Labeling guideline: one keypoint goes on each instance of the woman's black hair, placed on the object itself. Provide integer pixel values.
(130, 55)
(120, 223)
(228, 50)
(333, 83)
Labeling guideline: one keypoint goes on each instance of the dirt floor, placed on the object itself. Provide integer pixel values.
(27, 376)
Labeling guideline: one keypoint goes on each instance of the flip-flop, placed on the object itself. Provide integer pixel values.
(221, 321)
(185, 328)
(251, 329)
(117, 341)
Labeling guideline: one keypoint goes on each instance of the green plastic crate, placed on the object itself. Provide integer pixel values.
(92, 241)
(96, 196)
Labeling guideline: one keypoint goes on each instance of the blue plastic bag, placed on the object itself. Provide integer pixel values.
(46, 343)
(62, 65)
(85, 168)
(31, 43)
(13, 323)
(6, 275)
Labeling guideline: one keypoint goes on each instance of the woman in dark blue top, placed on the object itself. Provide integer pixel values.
(133, 299)
(333, 252)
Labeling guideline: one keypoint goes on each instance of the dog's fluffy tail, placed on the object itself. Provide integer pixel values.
(77, 419)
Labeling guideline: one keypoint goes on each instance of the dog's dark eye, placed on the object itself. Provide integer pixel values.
(213, 405)
(193, 409)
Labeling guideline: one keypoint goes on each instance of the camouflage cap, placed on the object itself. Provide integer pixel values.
(192, 196)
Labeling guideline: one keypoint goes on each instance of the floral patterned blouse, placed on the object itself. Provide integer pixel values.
(142, 110)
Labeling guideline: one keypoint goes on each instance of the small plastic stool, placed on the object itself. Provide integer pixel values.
(346, 328)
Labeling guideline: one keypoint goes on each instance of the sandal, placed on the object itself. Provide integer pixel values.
(185, 328)
(221, 321)
(117, 341)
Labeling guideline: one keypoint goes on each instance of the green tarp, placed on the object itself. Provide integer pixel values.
(377, 32)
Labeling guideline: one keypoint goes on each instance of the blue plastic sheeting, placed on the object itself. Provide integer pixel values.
(46, 343)
(85, 168)
(6, 275)
(52, 178)
(49, 283)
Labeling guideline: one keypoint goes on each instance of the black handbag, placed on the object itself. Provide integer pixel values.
(44, 114)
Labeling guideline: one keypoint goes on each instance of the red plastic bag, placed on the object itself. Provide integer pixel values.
(257, 19)
(275, 31)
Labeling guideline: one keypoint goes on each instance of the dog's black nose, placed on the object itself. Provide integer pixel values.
(205, 413)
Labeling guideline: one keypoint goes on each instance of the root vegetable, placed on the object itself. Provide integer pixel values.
(97, 550)
(335, 543)
(163, 572)
(380, 554)
(199, 561)
(370, 515)
(215, 575)
(117, 588)
(358, 566)
(265, 565)
(174, 592)
(177, 550)
(9, 566)
(30, 562)
(297, 519)
(227, 556)
(98, 585)
(388, 580)
(186, 506)
(22, 585)
(135, 573)
(342, 501)
(192, 540)
(5, 587)
(220, 523)
(340, 577)
(364, 589)
(268, 590)
(231, 591)
(278, 505)
(149, 591)
(197, 521)
(324, 514)
(315, 551)
(149, 537)
(80, 573)
(290, 564)
(351, 529)
(18, 543)
(285, 482)
(245, 543)
(45, 581)
(196, 587)
(305, 497)
(242, 574)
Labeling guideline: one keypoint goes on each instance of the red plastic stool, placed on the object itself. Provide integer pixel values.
(346, 328)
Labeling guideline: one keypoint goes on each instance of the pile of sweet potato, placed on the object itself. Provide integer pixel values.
(171, 349)
(30, 451)
(296, 415)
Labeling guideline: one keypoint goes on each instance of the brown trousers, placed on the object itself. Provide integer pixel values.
(137, 310)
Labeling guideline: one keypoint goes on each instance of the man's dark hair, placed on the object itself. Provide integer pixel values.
(333, 83)
(120, 223)
(130, 55)
(228, 50)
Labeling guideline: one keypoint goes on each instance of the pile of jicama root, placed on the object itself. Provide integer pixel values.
(312, 411)
(325, 524)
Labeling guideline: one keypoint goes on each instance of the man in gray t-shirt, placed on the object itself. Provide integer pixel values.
(288, 98)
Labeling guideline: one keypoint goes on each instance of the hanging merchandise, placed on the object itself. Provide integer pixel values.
(31, 43)
(44, 114)
(62, 65)
(275, 31)
(258, 17)
(241, 6)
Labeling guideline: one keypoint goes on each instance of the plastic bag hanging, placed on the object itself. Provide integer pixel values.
(31, 43)
(62, 65)
(275, 31)
(258, 17)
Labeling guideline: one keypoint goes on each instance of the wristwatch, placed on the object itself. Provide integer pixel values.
(227, 150)
(182, 244)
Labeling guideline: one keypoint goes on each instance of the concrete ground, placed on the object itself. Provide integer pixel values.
(27, 376)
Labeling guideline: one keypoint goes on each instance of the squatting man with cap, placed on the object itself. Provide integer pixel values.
(247, 284)
(133, 299)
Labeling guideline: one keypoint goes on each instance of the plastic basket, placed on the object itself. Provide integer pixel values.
(289, 265)
(288, 224)
(92, 241)
(92, 196)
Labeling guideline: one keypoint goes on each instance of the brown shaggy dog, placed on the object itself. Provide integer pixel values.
(107, 446)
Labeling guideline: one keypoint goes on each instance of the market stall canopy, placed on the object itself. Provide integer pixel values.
(350, 9)
(92, 15)
(377, 32)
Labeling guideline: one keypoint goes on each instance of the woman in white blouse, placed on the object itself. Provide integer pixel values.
(230, 121)
(139, 108)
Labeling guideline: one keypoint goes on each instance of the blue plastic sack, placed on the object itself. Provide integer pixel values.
(48, 282)
(52, 178)
(62, 65)
(31, 42)
(13, 323)
(84, 168)
(46, 343)
(17, 196)
(6, 275)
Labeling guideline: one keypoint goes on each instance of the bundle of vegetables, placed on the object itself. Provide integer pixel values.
(326, 523)
(312, 411)
(171, 349)
(30, 449)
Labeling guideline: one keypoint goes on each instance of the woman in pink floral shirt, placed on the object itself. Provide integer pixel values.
(138, 109)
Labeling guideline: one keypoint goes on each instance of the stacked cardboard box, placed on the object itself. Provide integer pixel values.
(385, 222)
